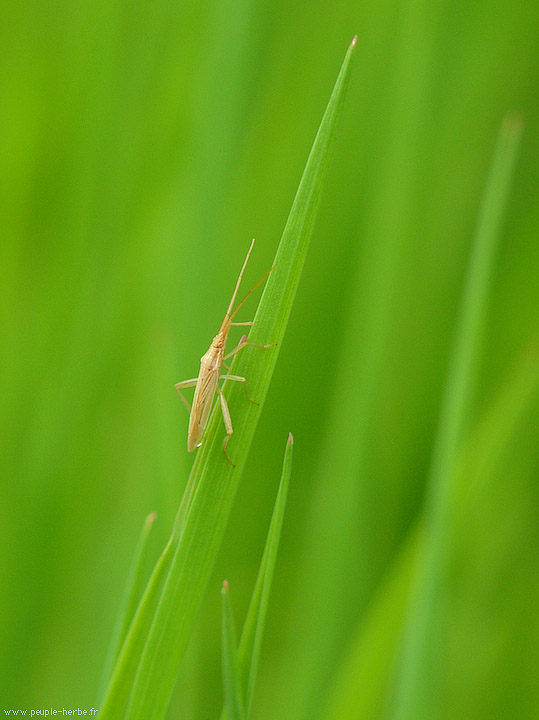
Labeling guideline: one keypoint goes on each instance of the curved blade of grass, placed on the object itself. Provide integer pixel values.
(482, 454)
(358, 690)
(119, 688)
(253, 628)
(134, 588)
(214, 481)
(231, 669)
(360, 687)
(417, 662)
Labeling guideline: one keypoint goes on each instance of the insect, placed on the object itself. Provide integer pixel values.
(207, 382)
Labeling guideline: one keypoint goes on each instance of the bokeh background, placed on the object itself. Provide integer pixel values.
(142, 146)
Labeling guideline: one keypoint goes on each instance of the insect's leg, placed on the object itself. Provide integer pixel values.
(247, 344)
(228, 423)
(249, 323)
(237, 378)
(225, 452)
(185, 384)
(243, 338)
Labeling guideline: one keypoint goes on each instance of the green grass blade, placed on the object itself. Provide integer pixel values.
(253, 627)
(231, 669)
(483, 451)
(343, 546)
(119, 688)
(360, 686)
(358, 690)
(417, 662)
(214, 481)
(133, 592)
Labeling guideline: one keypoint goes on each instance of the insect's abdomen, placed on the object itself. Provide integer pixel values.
(202, 404)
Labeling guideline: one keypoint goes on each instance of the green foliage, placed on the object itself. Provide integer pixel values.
(231, 669)
(149, 666)
(361, 686)
(133, 592)
(418, 679)
(125, 669)
(143, 146)
(240, 664)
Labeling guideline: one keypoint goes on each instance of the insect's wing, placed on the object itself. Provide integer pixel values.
(202, 404)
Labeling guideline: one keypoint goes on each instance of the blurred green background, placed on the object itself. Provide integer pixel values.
(142, 146)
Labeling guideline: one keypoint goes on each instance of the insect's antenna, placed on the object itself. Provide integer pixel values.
(251, 290)
(239, 278)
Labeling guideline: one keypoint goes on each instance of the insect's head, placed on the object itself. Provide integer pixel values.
(219, 341)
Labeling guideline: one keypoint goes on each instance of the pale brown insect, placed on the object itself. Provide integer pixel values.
(207, 382)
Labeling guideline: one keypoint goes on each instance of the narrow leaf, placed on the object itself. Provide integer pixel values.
(490, 441)
(360, 686)
(214, 481)
(132, 593)
(119, 687)
(231, 671)
(417, 663)
(253, 629)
